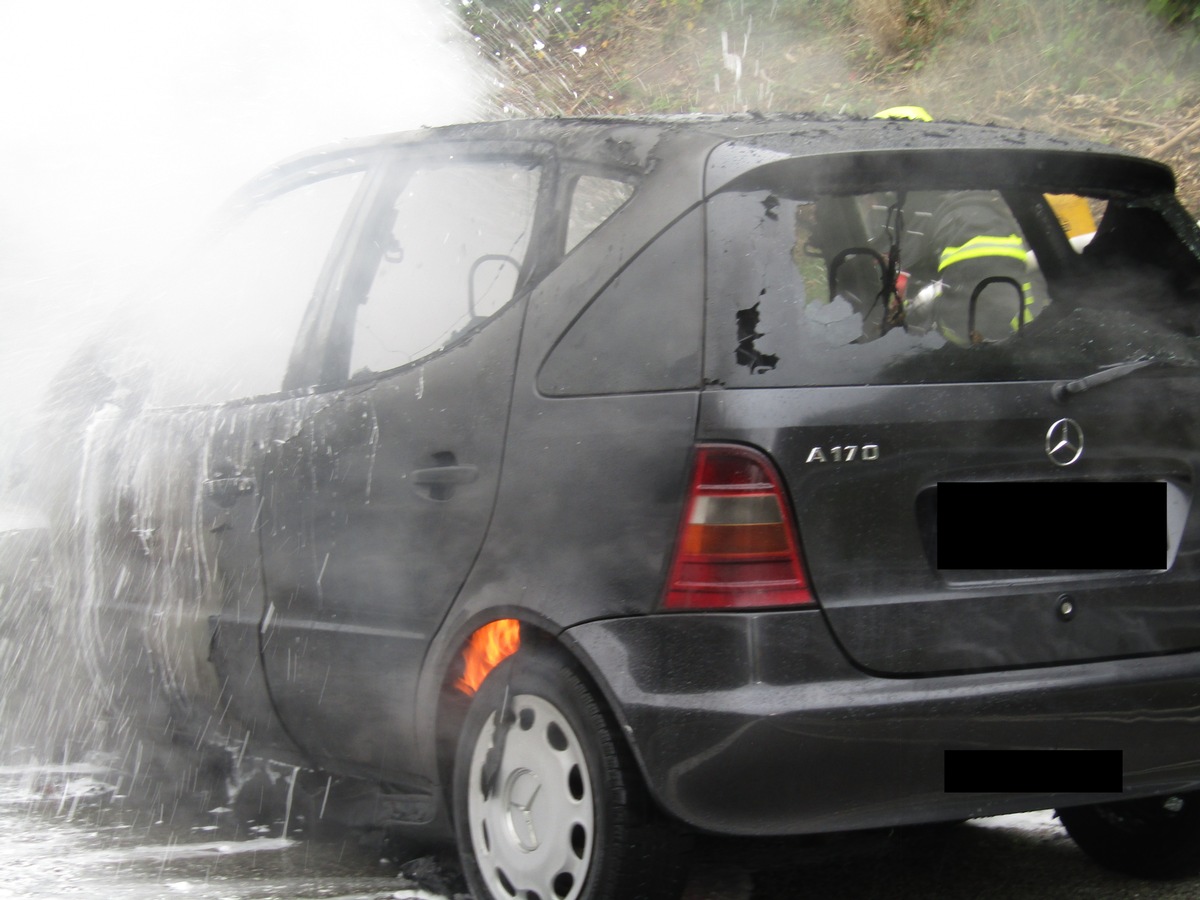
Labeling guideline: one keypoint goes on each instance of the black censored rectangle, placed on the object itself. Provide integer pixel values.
(1052, 525)
(1032, 771)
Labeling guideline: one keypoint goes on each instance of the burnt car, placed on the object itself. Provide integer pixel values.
(587, 484)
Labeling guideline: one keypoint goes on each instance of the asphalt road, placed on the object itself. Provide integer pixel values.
(68, 836)
(1026, 856)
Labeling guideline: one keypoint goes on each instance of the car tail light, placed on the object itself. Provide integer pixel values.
(737, 546)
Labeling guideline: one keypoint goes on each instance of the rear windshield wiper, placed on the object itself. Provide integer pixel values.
(1061, 390)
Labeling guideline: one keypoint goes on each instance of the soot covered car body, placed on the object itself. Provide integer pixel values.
(685, 399)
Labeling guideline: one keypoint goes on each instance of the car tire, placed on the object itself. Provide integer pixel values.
(548, 804)
(1156, 837)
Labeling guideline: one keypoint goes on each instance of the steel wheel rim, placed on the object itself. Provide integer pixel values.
(532, 837)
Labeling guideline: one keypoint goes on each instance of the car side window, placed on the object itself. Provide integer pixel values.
(449, 252)
(593, 200)
(241, 299)
(644, 331)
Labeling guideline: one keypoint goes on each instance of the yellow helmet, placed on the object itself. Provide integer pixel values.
(915, 113)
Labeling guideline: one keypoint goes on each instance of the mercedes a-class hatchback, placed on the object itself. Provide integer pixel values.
(587, 484)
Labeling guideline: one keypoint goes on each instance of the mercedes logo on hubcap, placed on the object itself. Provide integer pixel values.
(1064, 442)
(522, 791)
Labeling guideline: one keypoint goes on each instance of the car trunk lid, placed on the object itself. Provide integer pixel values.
(864, 480)
(881, 424)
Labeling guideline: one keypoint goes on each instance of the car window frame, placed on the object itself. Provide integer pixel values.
(290, 175)
(321, 362)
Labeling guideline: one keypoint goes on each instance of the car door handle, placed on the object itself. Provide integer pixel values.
(440, 482)
(445, 475)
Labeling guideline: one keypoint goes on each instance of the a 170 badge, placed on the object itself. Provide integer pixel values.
(846, 453)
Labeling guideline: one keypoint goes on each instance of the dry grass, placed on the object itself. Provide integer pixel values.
(1085, 68)
(885, 23)
(1170, 136)
(900, 29)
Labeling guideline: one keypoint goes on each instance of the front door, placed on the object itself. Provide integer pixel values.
(376, 506)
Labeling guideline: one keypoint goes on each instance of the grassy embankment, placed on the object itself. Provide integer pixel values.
(1103, 69)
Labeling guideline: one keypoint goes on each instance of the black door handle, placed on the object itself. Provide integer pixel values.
(446, 475)
(439, 482)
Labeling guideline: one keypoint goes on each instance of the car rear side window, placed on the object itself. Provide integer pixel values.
(643, 331)
(593, 200)
(448, 257)
(897, 286)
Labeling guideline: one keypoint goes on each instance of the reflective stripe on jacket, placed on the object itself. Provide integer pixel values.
(984, 245)
(989, 247)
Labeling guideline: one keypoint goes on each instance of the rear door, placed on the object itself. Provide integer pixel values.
(375, 507)
(903, 449)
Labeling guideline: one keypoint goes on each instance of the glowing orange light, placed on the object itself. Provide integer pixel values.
(488, 647)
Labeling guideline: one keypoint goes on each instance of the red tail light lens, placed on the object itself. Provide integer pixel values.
(737, 547)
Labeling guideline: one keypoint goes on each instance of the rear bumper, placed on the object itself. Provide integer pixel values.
(755, 723)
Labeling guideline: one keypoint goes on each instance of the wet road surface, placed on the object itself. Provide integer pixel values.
(65, 834)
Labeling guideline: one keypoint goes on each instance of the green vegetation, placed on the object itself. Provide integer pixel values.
(1176, 12)
(1122, 71)
(896, 28)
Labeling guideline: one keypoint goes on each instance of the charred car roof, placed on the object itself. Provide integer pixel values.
(729, 146)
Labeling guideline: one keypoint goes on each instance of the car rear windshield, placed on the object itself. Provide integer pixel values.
(938, 273)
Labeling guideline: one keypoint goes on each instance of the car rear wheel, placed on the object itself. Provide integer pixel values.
(1158, 837)
(547, 802)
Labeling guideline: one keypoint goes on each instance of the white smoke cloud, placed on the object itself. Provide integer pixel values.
(125, 121)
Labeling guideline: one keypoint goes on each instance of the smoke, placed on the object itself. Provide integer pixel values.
(126, 124)
(127, 121)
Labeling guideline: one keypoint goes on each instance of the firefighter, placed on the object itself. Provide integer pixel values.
(982, 262)
(974, 259)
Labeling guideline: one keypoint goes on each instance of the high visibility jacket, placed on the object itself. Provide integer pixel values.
(979, 240)
(986, 255)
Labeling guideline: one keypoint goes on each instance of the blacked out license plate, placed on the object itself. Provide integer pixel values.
(1060, 525)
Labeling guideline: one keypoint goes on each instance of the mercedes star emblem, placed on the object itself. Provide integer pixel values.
(1064, 442)
(523, 783)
